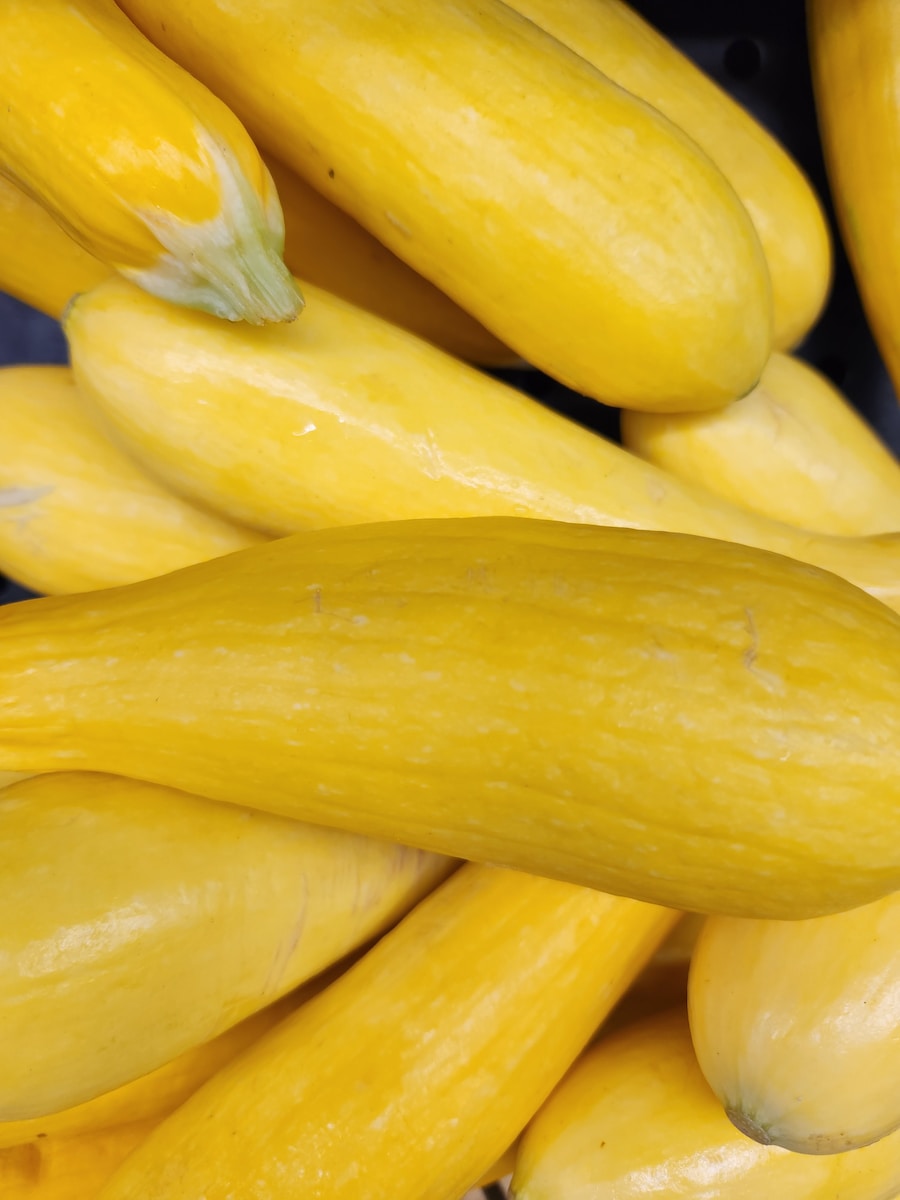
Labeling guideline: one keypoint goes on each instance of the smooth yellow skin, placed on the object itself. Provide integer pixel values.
(785, 210)
(327, 247)
(9, 777)
(580, 226)
(355, 420)
(76, 512)
(796, 1025)
(39, 263)
(794, 450)
(68, 1168)
(635, 1118)
(391, 1077)
(140, 163)
(139, 922)
(854, 49)
(685, 721)
(151, 1097)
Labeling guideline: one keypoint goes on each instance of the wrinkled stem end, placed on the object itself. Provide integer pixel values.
(748, 1126)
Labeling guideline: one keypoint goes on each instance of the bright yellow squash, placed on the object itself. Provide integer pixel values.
(76, 512)
(327, 247)
(355, 420)
(580, 226)
(138, 922)
(854, 47)
(635, 1120)
(139, 162)
(39, 263)
(68, 1168)
(796, 1025)
(794, 450)
(777, 195)
(685, 721)
(390, 1079)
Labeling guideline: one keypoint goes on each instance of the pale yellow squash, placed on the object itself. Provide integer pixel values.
(76, 512)
(39, 263)
(138, 161)
(778, 196)
(414, 1071)
(574, 221)
(635, 1120)
(796, 1025)
(355, 420)
(663, 983)
(794, 450)
(138, 922)
(854, 48)
(681, 720)
(327, 247)
(151, 1097)
(68, 1168)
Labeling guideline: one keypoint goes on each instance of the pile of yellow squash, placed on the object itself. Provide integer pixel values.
(404, 788)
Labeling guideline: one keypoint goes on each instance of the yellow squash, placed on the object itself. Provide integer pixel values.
(10, 777)
(355, 420)
(777, 195)
(686, 721)
(635, 1120)
(854, 46)
(138, 161)
(68, 1168)
(150, 1098)
(796, 1025)
(138, 922)
(578, 224)
(794, 450)
(327, 247)
(390, 1079)
(39, 262)
(77, 513)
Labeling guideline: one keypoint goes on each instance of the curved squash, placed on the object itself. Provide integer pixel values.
(635, 1120)
(796, 1026)
(175, 919)
(490, 987)
(777, 195)
(151, 1097)
(685, 721)
(794, 450)
(139, 162)
(581, 227)
(76, 513)
(39, 263)
(327, 247)
(358, 421)
(854, 48)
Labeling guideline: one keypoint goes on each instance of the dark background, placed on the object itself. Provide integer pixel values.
(757, 50)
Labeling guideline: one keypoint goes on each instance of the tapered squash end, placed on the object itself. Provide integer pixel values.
(231, 265)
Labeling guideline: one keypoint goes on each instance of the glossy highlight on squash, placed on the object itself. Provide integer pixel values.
(391, 1076)
(76, 512)
(491, 688)
(138, 161)
(634, 1120)
(175, 919)
(794, 449)
(579, 225)
(785, 210)
(796, 1025)
(359, 421)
